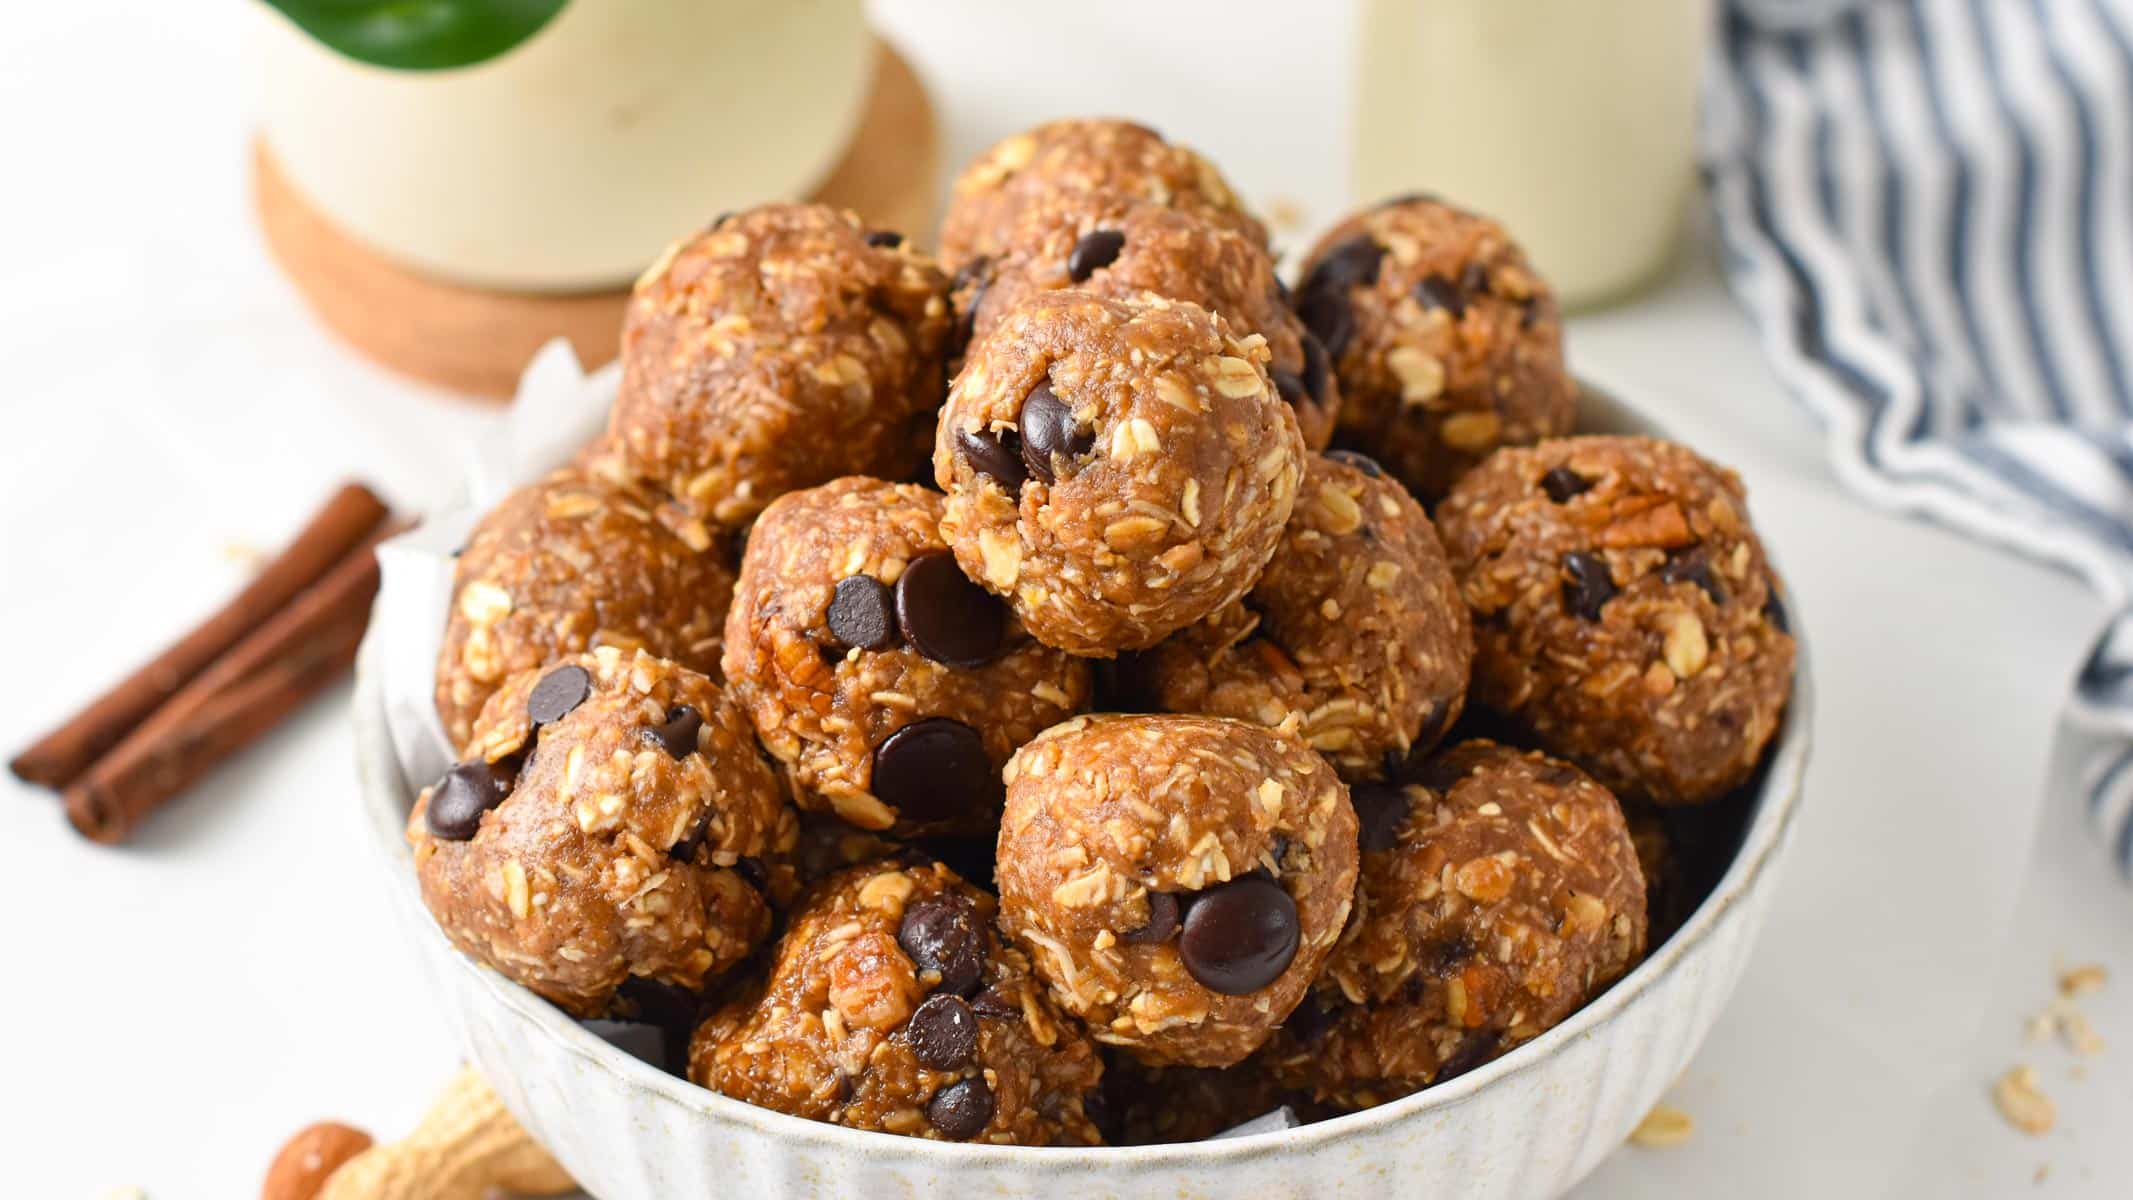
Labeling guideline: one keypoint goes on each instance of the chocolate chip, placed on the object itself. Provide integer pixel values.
(558, 693)
(1774, 609)
(1162, 921)
(1354, 261)
(463, 795)
(1380, 809)
(935, 769)
(994, 1002)
(887, 239)
(1289, 385)
(1692, 567)
(1473, 1050)
(1327, 315)
(1317, 367)
(1433, 725)
(1435, 291)
(1360, 461)
(1096, 250)
(1562, 483)
(1240, 936)
(1447, 955)
(943, 1033)
(1589, 586)
(940, 933)
(752, 869)
(692, 841)
(946, 617)
(678, 736)
(859, 613)
(1049, 432)
(961, 1110)
(997, 456)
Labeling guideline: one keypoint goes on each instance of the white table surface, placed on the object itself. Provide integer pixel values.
(175, 1008)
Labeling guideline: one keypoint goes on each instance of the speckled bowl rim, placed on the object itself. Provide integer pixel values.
(386, 801)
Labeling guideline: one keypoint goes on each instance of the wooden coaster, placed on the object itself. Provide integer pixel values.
(477, 340)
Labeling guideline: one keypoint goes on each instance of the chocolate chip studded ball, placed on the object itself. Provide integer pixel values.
(1356, 628)
(1111, 161)
(572, 562)
(1177, 880)
(1118, 469)
(1122, 250)
(1500, 892)
(892, 1004)
(1624, 611)
(612, 820)
(889, 686)
(779, 349)
(1446, 342)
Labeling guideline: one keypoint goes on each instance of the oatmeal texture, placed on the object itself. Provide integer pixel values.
(1097, 159)
(611, 821)
(1624, 611)
(1446, 342)
(1356, 629)
(1499, 893)
(1118, 469)
(1122, 249)
(569, 563)
(1177, 880)
(833, 653)
(778, 349)
(892, 1004)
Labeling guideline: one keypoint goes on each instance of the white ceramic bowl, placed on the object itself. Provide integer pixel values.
(1529, 1124)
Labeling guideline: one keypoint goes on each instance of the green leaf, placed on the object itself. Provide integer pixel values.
(420, 35)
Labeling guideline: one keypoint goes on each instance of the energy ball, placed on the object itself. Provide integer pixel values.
(892, 1004)
(1118, 469)
(780, 348)
(1108, 160)
(612, 820)
(1177, 880)
(1500, 892)
(569, 563)
(1356, 628)
(1446, 342)
(1624, 612)
(1149, 1106)
(1122, 250)
(889, 687)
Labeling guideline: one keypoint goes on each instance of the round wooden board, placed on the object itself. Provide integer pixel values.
(476, 340)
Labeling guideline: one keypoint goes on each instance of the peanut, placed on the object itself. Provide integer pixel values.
(467, 1144)
(305, 1160)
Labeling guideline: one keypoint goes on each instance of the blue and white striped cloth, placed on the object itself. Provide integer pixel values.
(1927, 207)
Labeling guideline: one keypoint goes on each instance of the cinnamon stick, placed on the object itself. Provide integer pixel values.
(248, 691)
(61, 756)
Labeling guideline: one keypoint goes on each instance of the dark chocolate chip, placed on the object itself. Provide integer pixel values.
(753, 870)
(464, 793)
(1435, 291)
(1360, 461)
(1774, 609)
(860, 613)
(1448, 955)
(994, 1002)
(940, 933)
(961, 1110)
(1327, 315)
(1096, 250)
(678, 736)
(1562, 483)
(1162, 921)
(1354, 261)
(1240, 936)
(1278, 850)
(997, 456)
(946, 617)
(1475, 279)
(1473, 1050)
(887, 239)
(1289, 385)
(558, 693)
(943, 1033)
(692, 841)
(1433, 725)
(935, 769)
(1588, 586)
(1049, 433)
(1692, 567)
(1380, 810)
(1317, 367)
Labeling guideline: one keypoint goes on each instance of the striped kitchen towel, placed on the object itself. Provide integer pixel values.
(1927, 208)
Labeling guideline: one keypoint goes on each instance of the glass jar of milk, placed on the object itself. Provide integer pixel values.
(1571, 121)
(570, 160)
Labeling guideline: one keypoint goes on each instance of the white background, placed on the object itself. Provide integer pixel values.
(170, 1011)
